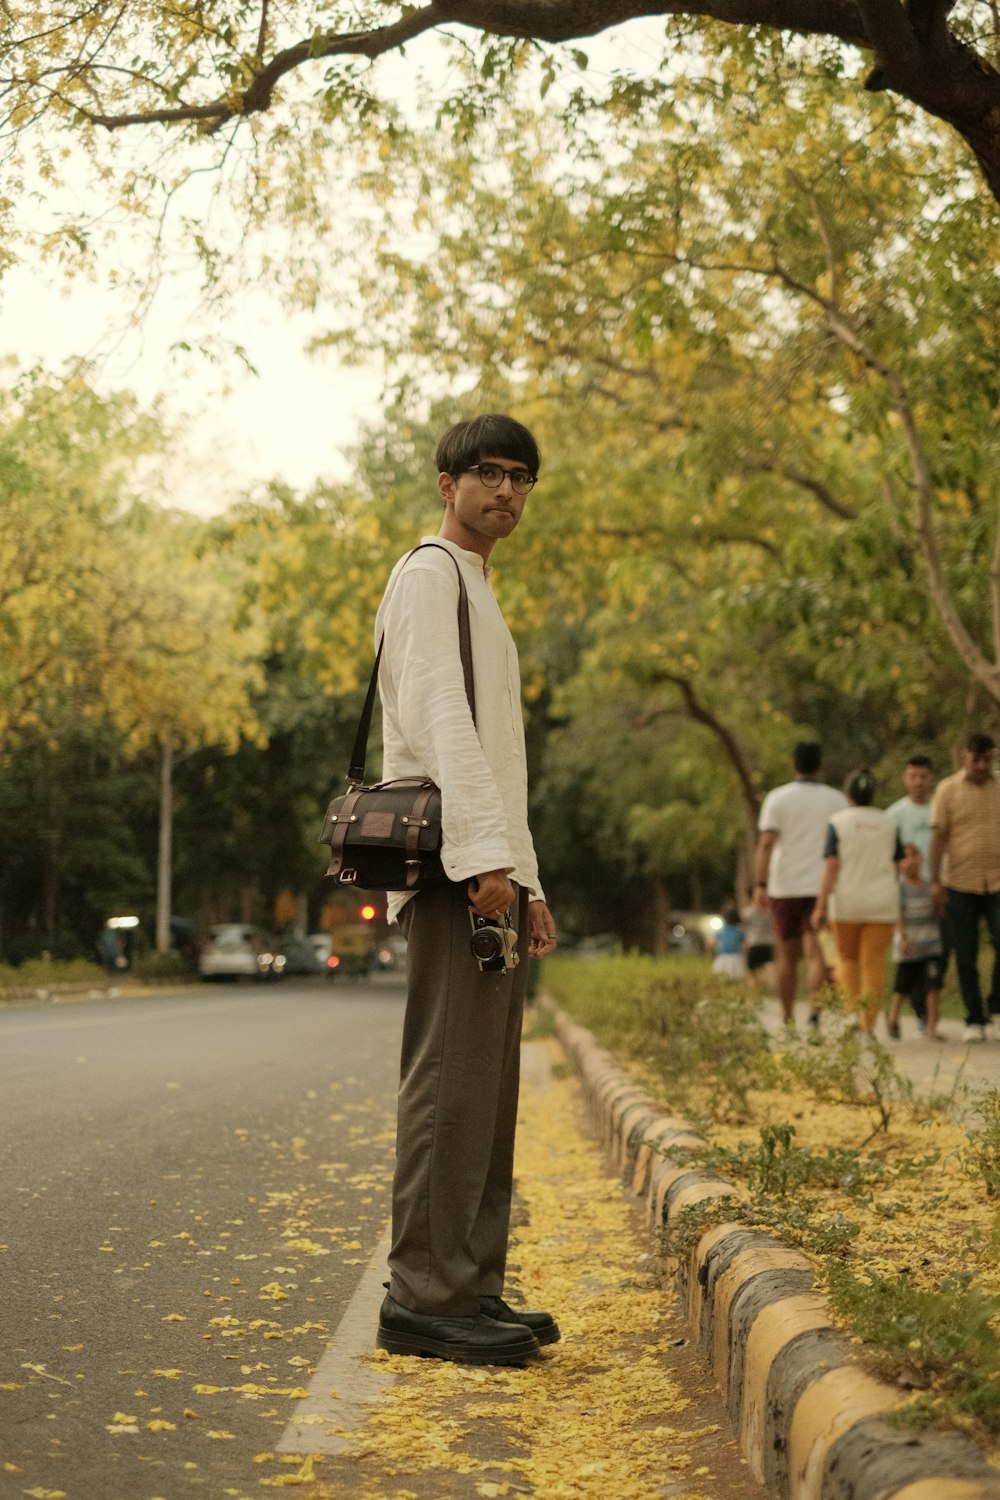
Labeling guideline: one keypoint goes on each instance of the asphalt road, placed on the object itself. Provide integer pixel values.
(190, 1188)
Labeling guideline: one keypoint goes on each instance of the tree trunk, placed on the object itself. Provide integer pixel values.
(165, 859)
(52, 841)
(662, 917)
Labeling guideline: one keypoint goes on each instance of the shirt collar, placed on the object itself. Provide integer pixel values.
(473, 558)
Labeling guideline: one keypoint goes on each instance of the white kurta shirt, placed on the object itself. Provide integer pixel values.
(426, 723)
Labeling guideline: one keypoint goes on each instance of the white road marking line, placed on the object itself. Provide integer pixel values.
(346, 1384)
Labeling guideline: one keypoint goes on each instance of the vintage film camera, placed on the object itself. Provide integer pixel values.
(493, 944)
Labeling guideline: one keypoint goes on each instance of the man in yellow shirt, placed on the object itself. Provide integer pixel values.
(965, 874)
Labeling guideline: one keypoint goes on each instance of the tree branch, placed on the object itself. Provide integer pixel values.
(816, 487)
(260, 94)
(261, 31)
(917, 55)
(702, 714)
(719, 538)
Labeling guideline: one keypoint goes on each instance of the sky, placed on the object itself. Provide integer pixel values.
(296, 418)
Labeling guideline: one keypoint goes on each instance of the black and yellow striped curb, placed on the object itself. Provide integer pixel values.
(811, 1421)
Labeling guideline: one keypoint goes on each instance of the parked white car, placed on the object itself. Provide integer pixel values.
(233, 951)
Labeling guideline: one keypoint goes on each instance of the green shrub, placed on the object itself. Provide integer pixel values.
(944, 1339)
(684, 1025)
(160, 966)
(852, 1068)
(983, 1158)
(39, 973)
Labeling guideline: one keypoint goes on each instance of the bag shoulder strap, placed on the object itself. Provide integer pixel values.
(356, 770)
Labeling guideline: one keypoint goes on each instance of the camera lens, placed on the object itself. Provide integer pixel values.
(486, 944)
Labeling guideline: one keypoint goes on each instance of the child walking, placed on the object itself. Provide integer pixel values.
(728, 945)
(758, 925)
(916, 949)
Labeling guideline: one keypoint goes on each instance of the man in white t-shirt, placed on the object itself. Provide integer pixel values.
(789, 871)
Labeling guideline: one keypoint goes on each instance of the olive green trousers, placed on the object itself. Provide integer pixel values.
(457, 1111)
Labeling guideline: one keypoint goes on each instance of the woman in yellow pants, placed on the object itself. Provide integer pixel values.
(860, 895)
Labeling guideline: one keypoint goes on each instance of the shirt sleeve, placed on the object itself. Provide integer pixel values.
(768, 822)
(423, 662)
(831, 849)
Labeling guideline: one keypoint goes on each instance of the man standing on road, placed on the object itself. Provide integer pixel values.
(912, 817)
(789, 872)
(462, 1030)
(965, 874)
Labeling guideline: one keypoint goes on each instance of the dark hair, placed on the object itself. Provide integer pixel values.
(807, 757)
(923, 761)
(487, 436)
(731, 914)
(979, 744)
(860, 787)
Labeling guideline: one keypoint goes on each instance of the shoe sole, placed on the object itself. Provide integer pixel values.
(471, 1354)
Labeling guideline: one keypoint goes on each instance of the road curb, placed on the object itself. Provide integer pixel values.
(811, 1421)
(61, 991)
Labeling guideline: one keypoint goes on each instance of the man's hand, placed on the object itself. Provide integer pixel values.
(761, 899)
(541, 930)
(490, 894)
(939, 895)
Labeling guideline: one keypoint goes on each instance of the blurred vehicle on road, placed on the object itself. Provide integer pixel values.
(235, 950)
(356, 934)
(390, 952)
(295, 955)
(352, 951)
(322, 945)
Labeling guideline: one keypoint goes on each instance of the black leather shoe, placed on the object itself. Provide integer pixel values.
(542, 1324)
(479, 1340)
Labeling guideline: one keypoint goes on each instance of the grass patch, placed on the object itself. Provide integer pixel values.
(39, 972)
(834, 1151)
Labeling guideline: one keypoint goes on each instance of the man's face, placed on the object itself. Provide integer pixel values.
(918, 781)
(485, 512)
(978, 765)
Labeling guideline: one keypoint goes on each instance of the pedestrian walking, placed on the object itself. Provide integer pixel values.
(788, 871)
(728, 945)
(457, 1110)
(859, 895)
(912, 813)
(758, 924)
(965, 875)
(917, 950)
(912, 816)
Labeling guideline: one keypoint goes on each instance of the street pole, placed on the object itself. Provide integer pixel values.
(166, 840)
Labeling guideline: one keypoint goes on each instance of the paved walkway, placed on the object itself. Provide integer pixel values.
(935, 1067)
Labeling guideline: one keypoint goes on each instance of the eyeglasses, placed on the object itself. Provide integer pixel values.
(493, 476)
